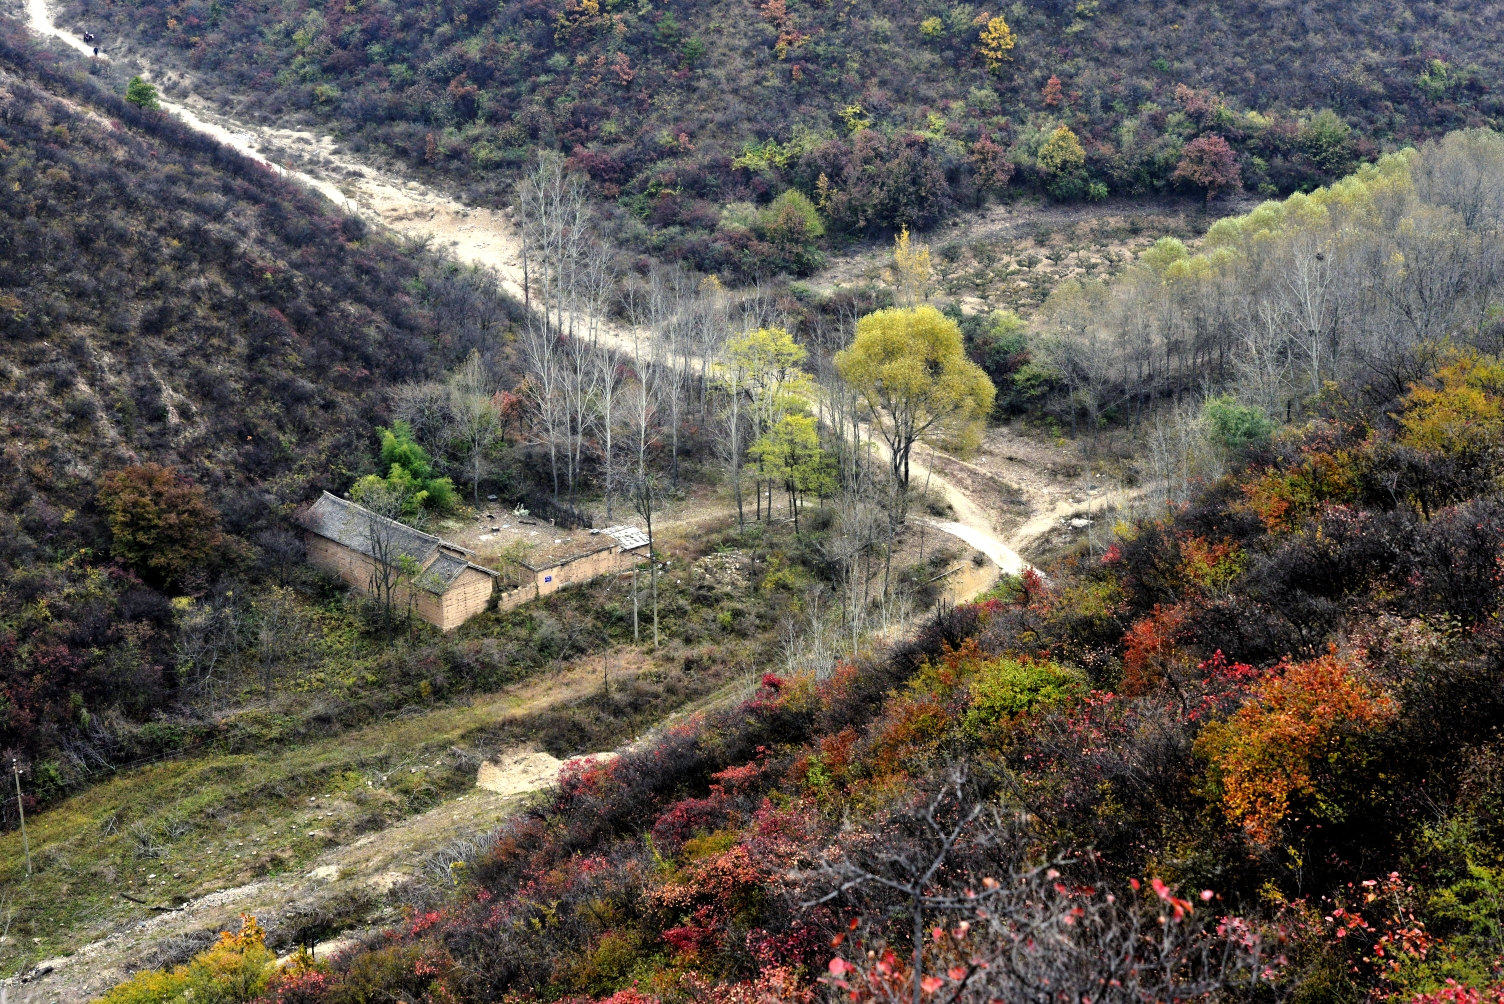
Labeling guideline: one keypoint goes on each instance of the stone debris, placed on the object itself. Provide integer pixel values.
(724, 569)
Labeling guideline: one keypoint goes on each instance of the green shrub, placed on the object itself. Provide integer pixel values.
(813, 225)
(1233, 426)
(141, 94)
(1009, 688)
(409, 477)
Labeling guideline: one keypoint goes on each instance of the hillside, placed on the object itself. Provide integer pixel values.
(691, 116)
(1243, 746)
(168, 302)
(191, 341)
(1231, 738)
(1335, 795)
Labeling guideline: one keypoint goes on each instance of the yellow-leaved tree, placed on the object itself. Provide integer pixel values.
(1459, 411)
(761, 366)
(790, 454)
(1062, 153)
(996, 43)
(910, 371)
(911, 272)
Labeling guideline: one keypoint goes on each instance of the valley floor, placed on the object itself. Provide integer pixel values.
(334, 828)
(316, 839)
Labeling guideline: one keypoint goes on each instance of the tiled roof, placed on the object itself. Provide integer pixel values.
(439, 576)
(627, 536)
(360, 529)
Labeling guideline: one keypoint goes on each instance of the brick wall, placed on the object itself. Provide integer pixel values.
(581, 569)
(464, 599)
(350, 565)
(570, 573)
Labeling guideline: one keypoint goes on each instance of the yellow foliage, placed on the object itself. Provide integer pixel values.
(910, 370)
(1358, 194)
(1211, 565)
(996, 43)
(911, 270)
(764, 365)
(767, 363)
(1460, 411)
(855, 117)
(1062, 152)
(235, 969)
(1163, 254)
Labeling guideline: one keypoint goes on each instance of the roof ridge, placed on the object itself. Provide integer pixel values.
(394, 522)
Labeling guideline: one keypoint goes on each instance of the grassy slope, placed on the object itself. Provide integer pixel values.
(240, 811)
(166, 300)
(213, 821)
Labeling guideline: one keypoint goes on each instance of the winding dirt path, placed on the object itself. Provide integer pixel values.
(476, 236)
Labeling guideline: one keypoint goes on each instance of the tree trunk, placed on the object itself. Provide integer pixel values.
(653, 572)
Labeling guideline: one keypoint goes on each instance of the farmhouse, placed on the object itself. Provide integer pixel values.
(372, 554)
(575, 559)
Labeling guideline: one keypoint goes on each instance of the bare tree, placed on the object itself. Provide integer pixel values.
(210, 633)
(383, 535)
(279, 636)
(670, 302)
(1263, 364)
(609, 387)
(951, 879)
(544, 391)
(553, 217)
(1361, 284)
(1462, 171)
(1082, 352)
(640, 406)
(731, 442)
(475, 425)
(425, 407)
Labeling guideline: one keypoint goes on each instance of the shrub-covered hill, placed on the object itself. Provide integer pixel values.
(908, 111)
(1286, 693)
(164, 301)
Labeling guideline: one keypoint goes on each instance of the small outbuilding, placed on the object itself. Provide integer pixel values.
(572, 560)
(375, 555)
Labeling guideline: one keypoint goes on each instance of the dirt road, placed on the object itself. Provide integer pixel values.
(384, 870)
(486, 237)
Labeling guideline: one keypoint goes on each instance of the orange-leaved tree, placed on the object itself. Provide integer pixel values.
(1208, 163)
(1284, 496)
(1263, 758)
(1052, 94)
(160, 522)
(1151, 649)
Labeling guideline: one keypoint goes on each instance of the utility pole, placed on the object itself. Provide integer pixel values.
(21, 810)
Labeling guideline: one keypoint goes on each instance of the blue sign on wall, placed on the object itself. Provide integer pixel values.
(548, 578)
